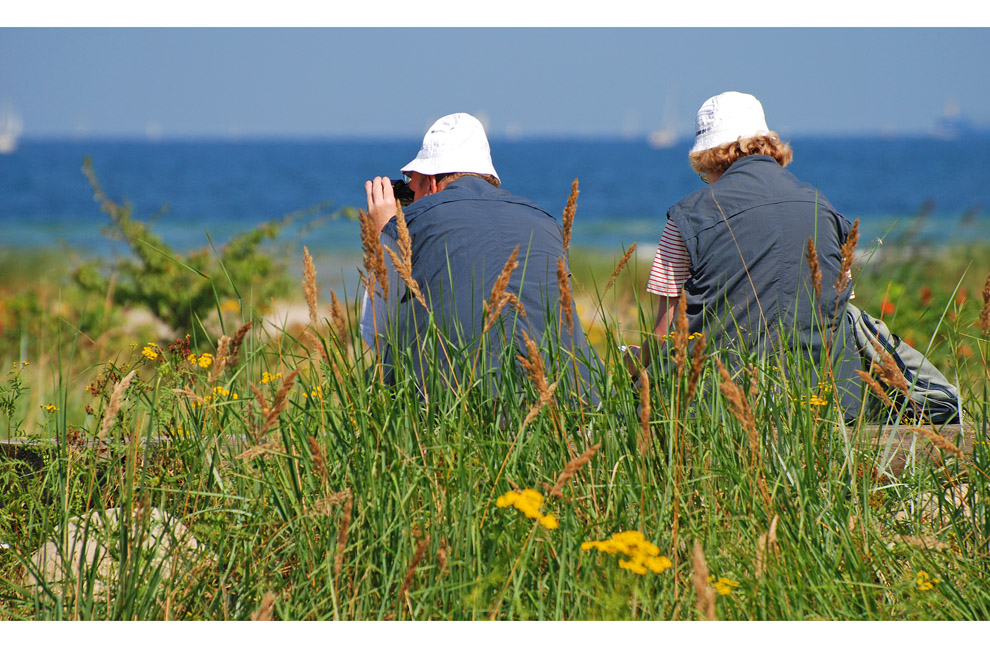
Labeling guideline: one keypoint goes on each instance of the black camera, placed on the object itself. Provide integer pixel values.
(403, 194)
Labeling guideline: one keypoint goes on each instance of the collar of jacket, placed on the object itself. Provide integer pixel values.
(466, 188)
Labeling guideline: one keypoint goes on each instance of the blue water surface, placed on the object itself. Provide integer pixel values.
(192, 189)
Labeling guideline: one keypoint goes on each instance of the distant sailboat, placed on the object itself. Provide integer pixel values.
(665, 136)
(10, 130)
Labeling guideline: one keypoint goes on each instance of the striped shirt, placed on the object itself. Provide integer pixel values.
(672, 265)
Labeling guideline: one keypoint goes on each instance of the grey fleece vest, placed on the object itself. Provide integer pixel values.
(750, 284)
(461, 240)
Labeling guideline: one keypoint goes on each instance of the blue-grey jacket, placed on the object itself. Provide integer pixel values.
(750, 283)
(461, 239)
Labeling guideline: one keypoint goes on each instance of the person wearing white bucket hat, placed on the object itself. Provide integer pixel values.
(736, 250)
(463, 230)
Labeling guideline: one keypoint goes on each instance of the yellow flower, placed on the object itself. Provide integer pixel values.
(205, 360)
(51, 409)
(723, 586)
(643, 555)
(924, 581)
(267, 377)
(151, 351)
(527, 502)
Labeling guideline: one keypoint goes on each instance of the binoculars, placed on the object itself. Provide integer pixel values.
(403, 194)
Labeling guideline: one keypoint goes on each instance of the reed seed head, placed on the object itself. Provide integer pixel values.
(499, 296)
(985, 311)
(620, 266)
(115, 402)
(568, 218)
(848, 253)
(374, 255)
(703, 592)
(571, 469)
(816, 271)
(566, 301)
(309, 284)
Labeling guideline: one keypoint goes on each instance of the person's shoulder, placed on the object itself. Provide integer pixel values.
(691, 202)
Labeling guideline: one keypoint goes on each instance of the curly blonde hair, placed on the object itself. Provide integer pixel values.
(719, 159)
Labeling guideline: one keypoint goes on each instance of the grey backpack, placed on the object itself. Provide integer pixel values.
(933, 398)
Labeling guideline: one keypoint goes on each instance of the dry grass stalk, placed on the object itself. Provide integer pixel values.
(374, 255)
(888, 370)
(403, 260)
(816, 271)
(324, 505)
(875, 387)
(279, 403)
(337, 316)
(220, 362)
(848, 253)
(754, 382)
(442, 557)
(541, 402)
(940, 442)
(516, 304)
(309, 284)
(619, 267)
(533, 364)
(698, 357)
(923, 542)
(498, 299)
(233, 356)
(985, 311)
(114, 406)
(766, 545)
(739, 406)
(645, 436)
(571, 469)
(704, 593)
(566, 301)
(681, 334)
(319, 463)
(190, 394)
(411, 572)
(266, 609)
(345, 523)
(262, 450)
(568, 219)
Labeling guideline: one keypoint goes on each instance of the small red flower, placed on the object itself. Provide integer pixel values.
(926, 295)
(961, 298)
(886, 307)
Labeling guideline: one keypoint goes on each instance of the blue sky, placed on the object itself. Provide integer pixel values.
(300, 82)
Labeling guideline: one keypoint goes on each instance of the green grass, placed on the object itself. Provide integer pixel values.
(361, 502)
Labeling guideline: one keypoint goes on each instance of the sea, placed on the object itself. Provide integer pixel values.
(200, 193)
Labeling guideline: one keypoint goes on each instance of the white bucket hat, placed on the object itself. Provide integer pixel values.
(454, 144)
(725, 118)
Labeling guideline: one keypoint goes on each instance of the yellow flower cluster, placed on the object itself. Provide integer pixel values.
(51, 409)
(924, 581)
(528, 502)
(218, 393)
(643, 555)
(820, 399)
(267, 377)
(723, 586)
(151, 351)
(670, 336)
(203, 360)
